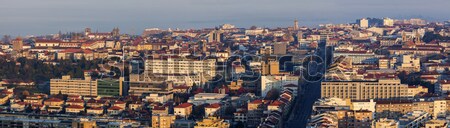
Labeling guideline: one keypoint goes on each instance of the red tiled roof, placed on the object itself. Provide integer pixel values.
(115, 108)
(96, 108)
(159, 108)
(256, 101)
(181, 87)
(53, 100)
(275, 103)
(75, 101)
(75, 106)
(184, 105)
(119, 102)
(215, 105)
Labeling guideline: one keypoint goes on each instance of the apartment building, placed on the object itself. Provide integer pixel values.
(179, 68)
(71, 86)
(360, 90)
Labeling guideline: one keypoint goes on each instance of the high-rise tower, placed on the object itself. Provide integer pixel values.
(295, 25)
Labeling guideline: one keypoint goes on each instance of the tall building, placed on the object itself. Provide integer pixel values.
(70, 86)
(280, 48)
(364, 23)
(115, 32)
(388, 22)
(270, 68)
(361, 90)
(87, 31)
(295, 25)
(17, 44)
(215, 36)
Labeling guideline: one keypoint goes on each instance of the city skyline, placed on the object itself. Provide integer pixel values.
(49, 16)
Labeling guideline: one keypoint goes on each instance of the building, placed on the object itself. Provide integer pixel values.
(70, 86)
(436, 124)
(159, 98)
(393, 107)
(369, 105)
(388, 22)
(357, 56)
(442, 87)
(360, 90)
(212, 122)
(183, 110)
(17, 44)
(342, 119)
(295, 25)
(208, 98)
(255, 111)
(215, 36)
(110, 87)
(364, 23)
(383, 63)
(414, 119)
(23, 122)
(270, 68)
(276, 82)
(163, 121)
(145, 88)
(280, 48)
(409, 63)
(213, 110)
(166, 66)
(386, 123)
(183, 123)
(84, 123)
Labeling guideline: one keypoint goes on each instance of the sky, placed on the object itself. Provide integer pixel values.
(38, 17)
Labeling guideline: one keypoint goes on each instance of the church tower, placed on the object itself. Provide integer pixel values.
(115, 32)
(418, 40)
(295, 25)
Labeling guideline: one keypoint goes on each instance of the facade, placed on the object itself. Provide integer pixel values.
(66, 85)
(14, 122)
(208, 98)
(276, 82)
(17, 44)
(386, 123)
(109, 87)
(364, 23)
(183, 110)
(358, 56)
(212, 122)
(436, 124)
(409, 63)
(280, 48)
(360, 90)
(213, 110)
(388, 22)
(414, 119)
(165, 66)
(140, 88)
(163, 121)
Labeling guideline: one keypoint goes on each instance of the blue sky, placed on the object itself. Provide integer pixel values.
(34, 17)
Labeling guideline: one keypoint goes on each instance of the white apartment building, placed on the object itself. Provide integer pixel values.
(276, 82)
(179, 69)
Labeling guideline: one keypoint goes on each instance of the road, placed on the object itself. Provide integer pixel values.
(303, 108)
(310, 92)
